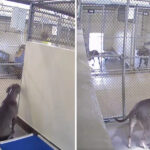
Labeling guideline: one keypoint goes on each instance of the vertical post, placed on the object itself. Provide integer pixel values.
(59, 28)
(123, 57)
(30, 23)
(88, 34)
(135, 34)
(79, 11)
(102, 35)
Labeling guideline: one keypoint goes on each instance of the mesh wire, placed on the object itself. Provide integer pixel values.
(52, 26)
(12, 46)
(48, 25)
(103, 23)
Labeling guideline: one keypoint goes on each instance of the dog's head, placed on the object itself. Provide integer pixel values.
(14, 88)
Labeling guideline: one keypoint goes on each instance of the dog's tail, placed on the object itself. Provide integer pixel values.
(131, 113)
(118, 120)
(127, 117)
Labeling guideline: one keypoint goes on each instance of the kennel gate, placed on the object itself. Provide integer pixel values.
(118, 80)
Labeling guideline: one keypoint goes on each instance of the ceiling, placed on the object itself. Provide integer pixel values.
(66, 7)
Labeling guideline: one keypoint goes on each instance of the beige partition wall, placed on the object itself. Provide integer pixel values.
(47, 97)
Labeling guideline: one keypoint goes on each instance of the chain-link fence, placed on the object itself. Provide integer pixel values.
(53, 22)
(117, 35)
(13, 29)
(47, 22)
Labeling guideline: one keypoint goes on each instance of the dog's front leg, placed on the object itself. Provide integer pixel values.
(14, 120)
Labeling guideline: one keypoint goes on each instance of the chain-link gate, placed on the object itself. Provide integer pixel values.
(117, 42)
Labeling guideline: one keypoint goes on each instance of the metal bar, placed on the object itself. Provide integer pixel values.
(46, 13)
(52, 8)
(135, 34)
(54, 2)
(89, 30)
(143, 0)
(21, 1)
(132, 43)
(59, 27)
(79, 11)
(123, 60)
(111, 119)
(102, 36)
(118, 72)
(110, 5)
(112, 37)
(126, 57)
(30, 24)
(10, 64)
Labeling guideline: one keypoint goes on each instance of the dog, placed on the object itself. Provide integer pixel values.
(143, 52)
(8, 112)
(139, 114)
(92, 54)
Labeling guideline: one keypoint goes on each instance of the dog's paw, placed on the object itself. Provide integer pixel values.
(145, 146)
(129, 146)
(11, 136)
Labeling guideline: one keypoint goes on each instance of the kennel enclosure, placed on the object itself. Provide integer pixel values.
(119, 32)
(51, 27)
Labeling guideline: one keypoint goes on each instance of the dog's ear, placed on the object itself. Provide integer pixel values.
(9, 89)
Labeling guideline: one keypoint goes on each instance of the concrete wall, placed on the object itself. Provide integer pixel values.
(91, 133)
(47, 97)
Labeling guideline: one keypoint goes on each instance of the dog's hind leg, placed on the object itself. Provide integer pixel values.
(93, 61)
(140, 62)
(132, 123)
(146, 62)
(143, 140)
(144, 137)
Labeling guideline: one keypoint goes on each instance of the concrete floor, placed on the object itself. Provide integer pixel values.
(19, 132)
(109, 92)
(119, 132)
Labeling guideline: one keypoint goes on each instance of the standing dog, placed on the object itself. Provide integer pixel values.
(143, 52)
(139, 114)
(8, 112)
(92, 54)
